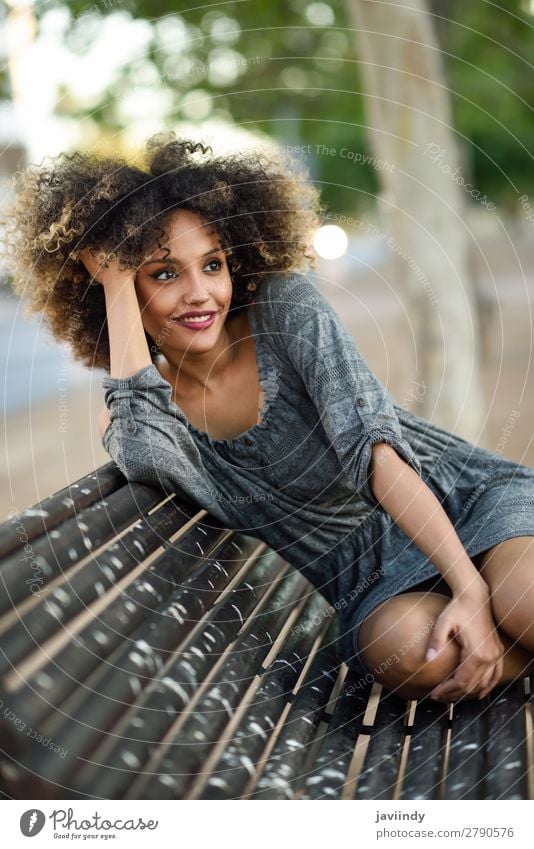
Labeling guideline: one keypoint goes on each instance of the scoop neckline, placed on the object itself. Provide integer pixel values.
(268, 373)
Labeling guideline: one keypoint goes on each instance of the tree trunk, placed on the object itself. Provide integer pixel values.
(422, 203)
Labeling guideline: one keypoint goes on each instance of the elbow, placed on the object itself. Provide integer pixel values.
(139, 469)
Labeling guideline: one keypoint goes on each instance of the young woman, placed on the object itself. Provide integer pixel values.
(232, 380)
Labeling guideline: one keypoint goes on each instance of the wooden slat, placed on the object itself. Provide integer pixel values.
(506, 747)
(330, 774)
(424, 763)
(241, 756)
(466, 767)
(382, 758)
(46, 515)
(188, 750)
(286, 760)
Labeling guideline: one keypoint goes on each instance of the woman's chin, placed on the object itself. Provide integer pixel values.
(196, 342)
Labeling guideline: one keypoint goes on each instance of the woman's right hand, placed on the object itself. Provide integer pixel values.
(104, 267)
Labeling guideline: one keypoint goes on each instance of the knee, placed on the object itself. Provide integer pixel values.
(395, 653)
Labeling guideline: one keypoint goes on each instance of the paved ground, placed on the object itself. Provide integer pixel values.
(59, 442)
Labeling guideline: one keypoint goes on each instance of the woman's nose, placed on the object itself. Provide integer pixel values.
(196, 289)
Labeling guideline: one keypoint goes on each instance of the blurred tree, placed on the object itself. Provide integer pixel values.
(288, 71)
(291, 70)
(423, 205)
(488, 50)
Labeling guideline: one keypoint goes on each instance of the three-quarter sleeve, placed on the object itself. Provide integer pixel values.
(355, 410)
(148, 439)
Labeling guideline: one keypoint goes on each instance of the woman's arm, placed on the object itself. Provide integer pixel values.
(127, 341)
(415, 508)
(103, 421)
(468, 617)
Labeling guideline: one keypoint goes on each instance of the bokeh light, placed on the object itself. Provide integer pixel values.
(330, 241)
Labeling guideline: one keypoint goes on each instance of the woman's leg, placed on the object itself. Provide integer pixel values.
(393, 639)
(508, 569)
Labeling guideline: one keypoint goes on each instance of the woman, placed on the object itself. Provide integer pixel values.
(231, 379)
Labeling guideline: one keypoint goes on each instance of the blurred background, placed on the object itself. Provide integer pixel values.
(415, 120)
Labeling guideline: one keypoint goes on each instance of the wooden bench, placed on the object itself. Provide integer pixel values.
(150, 653)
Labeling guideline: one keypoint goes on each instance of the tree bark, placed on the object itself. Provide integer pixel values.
(422, 203)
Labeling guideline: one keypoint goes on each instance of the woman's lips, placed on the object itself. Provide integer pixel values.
(196, 325)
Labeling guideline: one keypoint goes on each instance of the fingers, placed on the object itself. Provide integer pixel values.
(484, 683)
(103, 266)
(496, 677)
(460, 684)
(443, 629)
(478, 671)
(465, 678)
(468, 678)
(455, 688)
(496, 673)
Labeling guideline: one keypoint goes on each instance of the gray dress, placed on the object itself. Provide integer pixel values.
(299, 478)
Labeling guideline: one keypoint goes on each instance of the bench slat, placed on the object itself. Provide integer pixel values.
(382, 758)
(286, 761)
(506, 750)
(188, 750)
(421, 779)
(241, 757)
(46, 515)
(466, 766)
(328, 778)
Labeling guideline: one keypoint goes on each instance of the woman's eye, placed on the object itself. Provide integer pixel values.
(164, 271)
(217, 262)
(213, 262)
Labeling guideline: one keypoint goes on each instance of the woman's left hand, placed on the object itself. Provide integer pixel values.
(468, 618)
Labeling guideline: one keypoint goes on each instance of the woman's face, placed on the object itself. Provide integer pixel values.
(188, 274)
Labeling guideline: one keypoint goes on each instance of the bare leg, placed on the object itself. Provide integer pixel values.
(508, 569)
(393, 641)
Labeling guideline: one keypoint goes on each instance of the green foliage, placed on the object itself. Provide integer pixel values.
(296, 79)
(489, 50)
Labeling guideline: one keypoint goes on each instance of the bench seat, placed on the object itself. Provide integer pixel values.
(147, 652)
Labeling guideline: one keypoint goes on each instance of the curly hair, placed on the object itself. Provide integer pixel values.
(262, 206)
